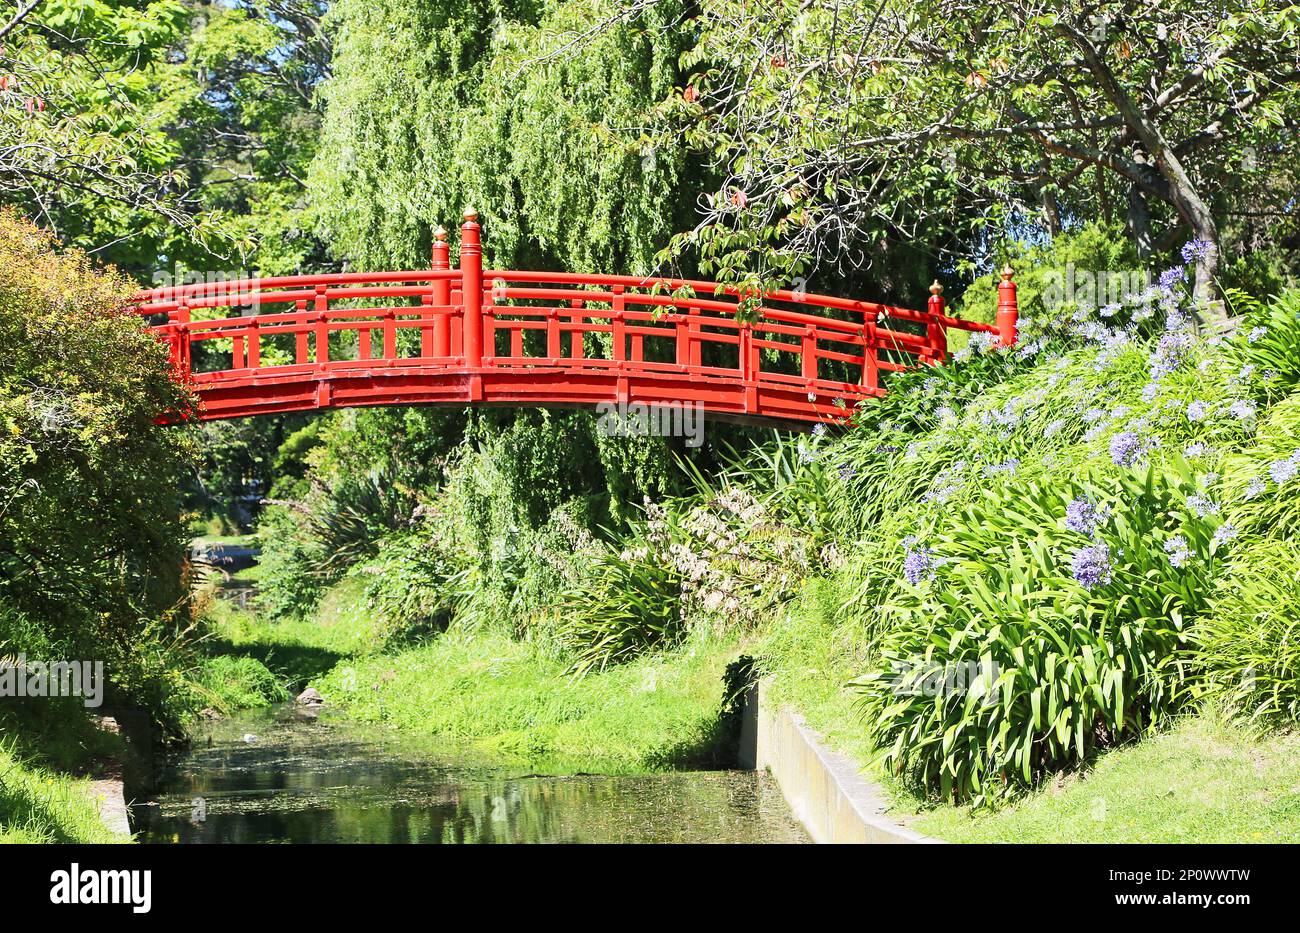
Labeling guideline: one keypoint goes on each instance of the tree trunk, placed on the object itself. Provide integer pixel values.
(1139, 222)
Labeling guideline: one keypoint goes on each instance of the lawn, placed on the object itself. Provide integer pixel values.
(1202, 781)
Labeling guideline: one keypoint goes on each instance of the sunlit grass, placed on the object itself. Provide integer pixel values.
(519, 702)
(38, 805)
(1203, 781)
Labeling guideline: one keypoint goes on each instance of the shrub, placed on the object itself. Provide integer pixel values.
(625, 605)
(1064, 633)
(412, 585)
(1248, 642)
(1268, 337)
(91, 540)
(230, 683)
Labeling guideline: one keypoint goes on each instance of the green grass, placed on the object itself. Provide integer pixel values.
(39, 805)
(511, 699)
(249, 540)
(295, 651)
(1203, 781)
(812, 656)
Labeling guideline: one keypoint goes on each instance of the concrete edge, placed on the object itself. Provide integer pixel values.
(109, 796)
(835, 803)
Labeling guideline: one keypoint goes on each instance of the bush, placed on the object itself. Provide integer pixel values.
(230, 683)
(1025, 643)
(624, 606)
(413, 586)
(1261, 481)
(1248, 643)
(91, 540)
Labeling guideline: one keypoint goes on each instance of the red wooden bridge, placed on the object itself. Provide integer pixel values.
(470, 336)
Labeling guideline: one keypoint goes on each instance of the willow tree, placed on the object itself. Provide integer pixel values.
(534, 111)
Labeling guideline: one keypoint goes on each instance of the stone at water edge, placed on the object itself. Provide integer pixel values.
(310, 697)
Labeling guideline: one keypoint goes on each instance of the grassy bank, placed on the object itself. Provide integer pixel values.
(1202, 781)
(45, 747)
(509, 698)
(40, 805)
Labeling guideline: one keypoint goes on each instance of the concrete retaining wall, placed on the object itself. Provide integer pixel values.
(110, 796)
(824, 789)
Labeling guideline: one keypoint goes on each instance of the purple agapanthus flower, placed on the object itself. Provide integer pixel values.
(919, 564)
(1126, 448)
(1202, 505)
(1178, 551)
(1197, 411)
(1091, 565)
(1283, 471)
(1254, 488)
(1224, 533)
(1170, 353)
(1083, 516)
(1197, 250)
(1171, 278)
(1257, 333)
(1243, 410)
(847, 471)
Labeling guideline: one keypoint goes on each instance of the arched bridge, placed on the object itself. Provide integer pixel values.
(469, 335)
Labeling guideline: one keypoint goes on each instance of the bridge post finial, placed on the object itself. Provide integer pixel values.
(935, 333)
(441, 252)
(1008, 311)
(438, 337)
(471, 271)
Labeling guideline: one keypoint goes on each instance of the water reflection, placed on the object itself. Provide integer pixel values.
(303, 780)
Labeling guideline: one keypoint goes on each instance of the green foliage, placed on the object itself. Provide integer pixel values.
(1050, 668)
(90, 532)
(1248, 643)
(228, 683)
(1268, 337)
(518, 701)
(292, 581)
(38, 805)
(1260, 481)
(413, 586)
(624, 605)
(1057, 278)
(433, 107)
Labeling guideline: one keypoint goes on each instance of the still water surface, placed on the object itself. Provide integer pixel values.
(327, 780)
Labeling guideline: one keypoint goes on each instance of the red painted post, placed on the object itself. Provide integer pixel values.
(1008, 311)
(936, 335)
(441, 295)
(471, 275)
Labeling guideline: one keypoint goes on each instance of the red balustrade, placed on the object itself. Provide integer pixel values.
(470, 335)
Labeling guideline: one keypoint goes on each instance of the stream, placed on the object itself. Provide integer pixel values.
(286, 776)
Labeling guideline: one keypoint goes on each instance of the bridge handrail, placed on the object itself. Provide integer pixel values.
(459, 334)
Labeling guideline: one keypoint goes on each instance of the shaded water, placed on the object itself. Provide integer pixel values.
(323, 780)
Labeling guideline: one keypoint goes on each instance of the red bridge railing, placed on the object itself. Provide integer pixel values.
(470, 335)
